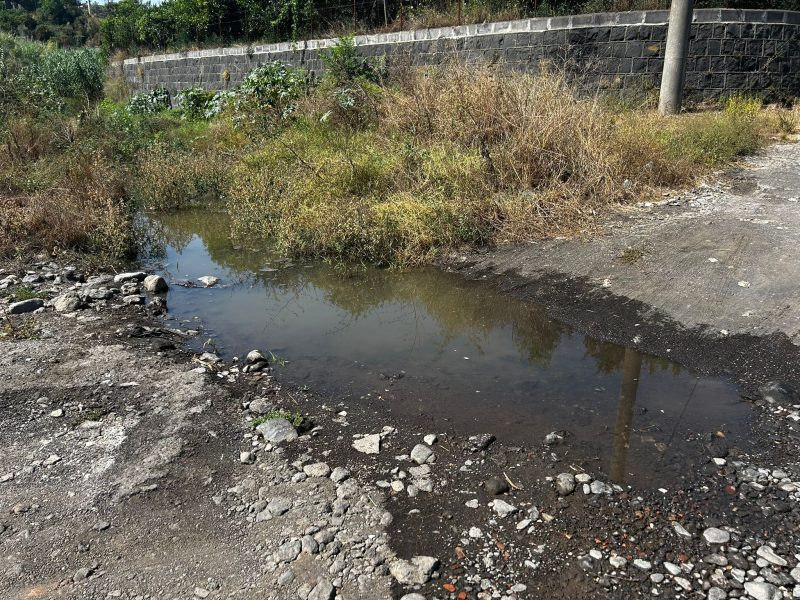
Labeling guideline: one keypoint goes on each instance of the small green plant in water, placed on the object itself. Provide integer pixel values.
(294, 418)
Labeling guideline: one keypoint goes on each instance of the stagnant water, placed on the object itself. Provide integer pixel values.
(446, 351)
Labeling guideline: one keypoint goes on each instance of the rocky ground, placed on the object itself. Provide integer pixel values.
(135, 468)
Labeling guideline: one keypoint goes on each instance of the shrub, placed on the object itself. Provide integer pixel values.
(195, 102)
(168, 179)
(268, 96)
(147, 103)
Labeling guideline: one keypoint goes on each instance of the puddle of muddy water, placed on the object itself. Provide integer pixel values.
(437, 348)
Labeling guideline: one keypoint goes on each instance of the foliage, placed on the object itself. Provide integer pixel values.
(35, 78)
(131, 25)
(195, 102)
(268, 95)
(296, 419)
(147, 103)
(344, 65)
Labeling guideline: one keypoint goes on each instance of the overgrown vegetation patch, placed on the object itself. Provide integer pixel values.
(367, 164)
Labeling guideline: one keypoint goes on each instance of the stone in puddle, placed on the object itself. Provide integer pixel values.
(277, 431)
(155, 284)
(369, 444)
(417, 571)
(255, 356)
(208, 280)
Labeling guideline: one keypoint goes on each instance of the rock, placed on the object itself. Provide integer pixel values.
(260, 406)
(672, 568)
(554, 437)
(716, 593)
(155, 284)
(496, 486)
(208, 280)
(480, 442)
(583, 478)
(762, 591)
(503, 508)
(714, 535)
(277, 431)
(414, 596)
(81, 574)
(246, 458)
(475, 533)
(132, 276)
(369, 444)
(680, 531)
(200, 592)
(644, 565)
(795, 573)
(416, 572)
(288, 551)
(57, 413)
(421, 454)
(598, 487)
(322, 591)
(779, 392)
(683, 582)
(319, 469)
(255, 356)
(25, 306)
(430, 439)
(617, 561)
(769, 555)
(565, 484)
(51, 460)
(67, 302)
(133, 300)
(339, 474)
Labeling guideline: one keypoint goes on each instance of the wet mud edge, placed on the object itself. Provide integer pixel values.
(749, 360)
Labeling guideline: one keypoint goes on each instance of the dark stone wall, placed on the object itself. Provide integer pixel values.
(755, 51)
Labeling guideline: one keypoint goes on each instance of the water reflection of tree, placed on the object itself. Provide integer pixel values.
(459, 307)
(610, 358)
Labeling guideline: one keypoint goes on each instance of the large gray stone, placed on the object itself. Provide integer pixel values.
(324, 590)
(67, 302)
(25, 306)
(762, 591)
(277, 431)
(155, 284)
(417, 571)
(131, 276)
(565, 484)
(369, 444)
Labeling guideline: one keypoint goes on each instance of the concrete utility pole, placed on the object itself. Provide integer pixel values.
(674, 73)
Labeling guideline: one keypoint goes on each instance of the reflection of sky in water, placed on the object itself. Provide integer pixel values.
(480, 359)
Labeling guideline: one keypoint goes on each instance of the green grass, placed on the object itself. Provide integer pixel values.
(294, 418)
